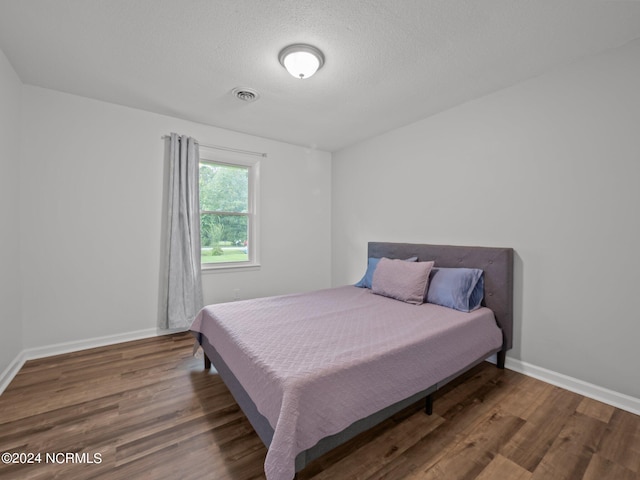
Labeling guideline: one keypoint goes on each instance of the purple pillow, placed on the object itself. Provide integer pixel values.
(372, 263)
(404, 281)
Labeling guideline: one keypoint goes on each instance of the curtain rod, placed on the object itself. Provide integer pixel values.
(226, 149)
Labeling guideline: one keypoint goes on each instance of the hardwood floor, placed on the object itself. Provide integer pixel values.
(146, 409)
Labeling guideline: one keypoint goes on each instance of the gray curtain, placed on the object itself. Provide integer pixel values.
(183, 282)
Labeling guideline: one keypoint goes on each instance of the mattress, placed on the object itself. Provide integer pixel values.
(314, 363)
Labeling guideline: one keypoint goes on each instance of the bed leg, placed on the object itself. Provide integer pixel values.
(207, 363)
(428, 405)
(502, 356)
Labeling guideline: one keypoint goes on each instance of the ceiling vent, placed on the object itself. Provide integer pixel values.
(245, 94)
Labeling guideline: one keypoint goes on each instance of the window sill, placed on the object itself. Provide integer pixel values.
(227, 267)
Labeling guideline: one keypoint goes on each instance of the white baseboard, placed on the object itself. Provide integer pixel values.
(11, 371)
(75, 346)
(610, 397)
(604, 395)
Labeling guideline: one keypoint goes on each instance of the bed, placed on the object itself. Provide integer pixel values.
(311, 371)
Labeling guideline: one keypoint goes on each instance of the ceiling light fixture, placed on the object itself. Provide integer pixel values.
(301, 60)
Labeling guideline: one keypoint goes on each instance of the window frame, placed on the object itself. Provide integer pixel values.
(233, 159)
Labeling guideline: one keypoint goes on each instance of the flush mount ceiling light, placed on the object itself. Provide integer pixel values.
(301, 60)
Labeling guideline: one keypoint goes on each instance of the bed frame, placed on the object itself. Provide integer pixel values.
(497, 264)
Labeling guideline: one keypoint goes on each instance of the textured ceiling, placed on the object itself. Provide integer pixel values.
(388, 63)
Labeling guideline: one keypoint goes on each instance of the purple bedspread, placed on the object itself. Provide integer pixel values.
(314, 363)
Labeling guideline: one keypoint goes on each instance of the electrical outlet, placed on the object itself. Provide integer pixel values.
(236, 294)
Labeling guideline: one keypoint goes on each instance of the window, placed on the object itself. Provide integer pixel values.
(228, 210)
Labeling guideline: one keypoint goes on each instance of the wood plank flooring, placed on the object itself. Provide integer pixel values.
(147, 410)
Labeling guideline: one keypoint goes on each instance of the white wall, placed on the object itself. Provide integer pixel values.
(10, 317)
(91, 199)
(295, 228)
(549, 167)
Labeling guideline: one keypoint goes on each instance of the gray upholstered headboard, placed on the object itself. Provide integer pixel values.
(497, 264)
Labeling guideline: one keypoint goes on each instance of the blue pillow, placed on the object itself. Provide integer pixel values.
(372, 263)
(458, 288)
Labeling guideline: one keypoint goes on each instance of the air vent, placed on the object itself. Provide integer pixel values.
(245, 94)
